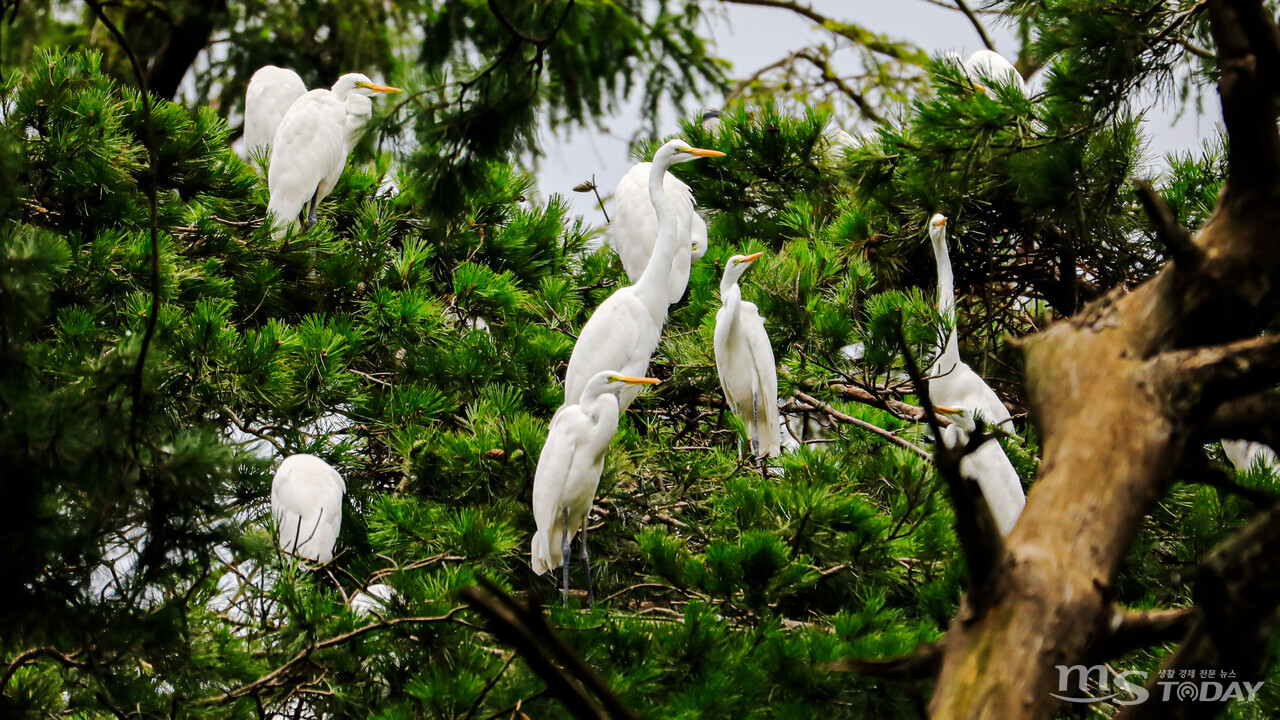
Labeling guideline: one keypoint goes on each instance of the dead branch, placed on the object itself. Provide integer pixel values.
(923, 663)
(522, 625)
(837, 416)
(1175, 238)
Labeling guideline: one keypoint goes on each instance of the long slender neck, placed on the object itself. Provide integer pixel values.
(950, 354)
(731, 297)
(605, 407)
(652, 285)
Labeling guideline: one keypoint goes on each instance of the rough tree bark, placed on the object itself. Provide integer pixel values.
(1118, 393)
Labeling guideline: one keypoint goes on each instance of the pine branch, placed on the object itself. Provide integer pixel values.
(525, 627)
(977, 24)
(975, 528)
(1175, 238)
(272, 678)
(816, 404)
(149, 141)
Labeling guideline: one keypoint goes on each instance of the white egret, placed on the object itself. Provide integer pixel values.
(306, 505)
(744, 360)
(272, 90)
(634, 230)
(1244, 454)
(990, 66)
(623, 332)
(958, 390)
(569, 469)
(311, 146)
(989, 466)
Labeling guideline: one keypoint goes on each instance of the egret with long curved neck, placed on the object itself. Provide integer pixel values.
(745, 363)
(569, 469)
(624, 331)
(958, 391)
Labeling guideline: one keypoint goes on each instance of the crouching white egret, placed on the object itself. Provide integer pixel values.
(634, 230)
(959, 391)
(306, 504)
(988, 466)
(569, 469)
(1244, 454)
(990, 66)
(311, 146)
(624, 331)
(272, 90)
(744, 360)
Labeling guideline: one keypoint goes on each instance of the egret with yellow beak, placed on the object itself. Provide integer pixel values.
(569, 469)
(310, 147)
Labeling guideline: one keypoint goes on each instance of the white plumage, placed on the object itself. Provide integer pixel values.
(954, 385)
(306, 504)
(569, 469)
(623, 333)
(272, 90)
(311, 146)
(634, 230)
(991, 66)
(1244, 454)
(744, 360)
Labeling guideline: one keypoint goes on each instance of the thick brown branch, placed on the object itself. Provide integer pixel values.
(1237, 592)
(1175, 238)
(1254, 417)
(1133, 629)
(525, 627)
(1248, 101)
(923, 663)
(1208, 376)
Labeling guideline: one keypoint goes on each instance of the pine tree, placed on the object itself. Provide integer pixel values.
(417, 335)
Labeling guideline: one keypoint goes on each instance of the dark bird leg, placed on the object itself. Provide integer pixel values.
(564, 557)
(586, 566)
(311, 213)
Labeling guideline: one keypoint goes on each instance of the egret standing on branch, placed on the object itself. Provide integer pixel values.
(272, 90)
(624, 331)
(306, 505)
(569, 469)
(634, 230)
(744, 360)
(311, 146)
(958, 391)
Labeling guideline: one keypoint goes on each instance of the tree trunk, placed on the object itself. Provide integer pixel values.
(1117, 399)
(188, 35)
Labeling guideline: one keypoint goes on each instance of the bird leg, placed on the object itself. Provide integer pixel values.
(755, 424)
(586, 566)
(564, 557)
(311, 213)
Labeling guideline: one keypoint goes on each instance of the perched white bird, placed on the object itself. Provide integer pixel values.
(1244, 454)
(634, 229)
(989, 466)
(272, 90)
(623, 332)
(990, 66)
(744, 360)
(306, 504)
(956, 389)
(569, 469)
(311, 146)
(373, 600)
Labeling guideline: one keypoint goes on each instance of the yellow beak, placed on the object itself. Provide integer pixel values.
(640, 381)
(940, 222)
(381, 88)
(980, 88)
(752, 258)
(702, 152)
(948, 410)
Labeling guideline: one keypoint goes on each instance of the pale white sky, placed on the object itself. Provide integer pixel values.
(751, 37)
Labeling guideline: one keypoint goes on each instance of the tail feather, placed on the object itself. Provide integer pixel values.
(540, 553)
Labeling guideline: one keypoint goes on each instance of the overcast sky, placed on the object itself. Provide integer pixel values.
(751, 37)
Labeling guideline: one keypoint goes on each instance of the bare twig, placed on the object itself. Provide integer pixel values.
(851, 420)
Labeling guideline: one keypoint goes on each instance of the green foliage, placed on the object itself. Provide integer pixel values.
(416, 336)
